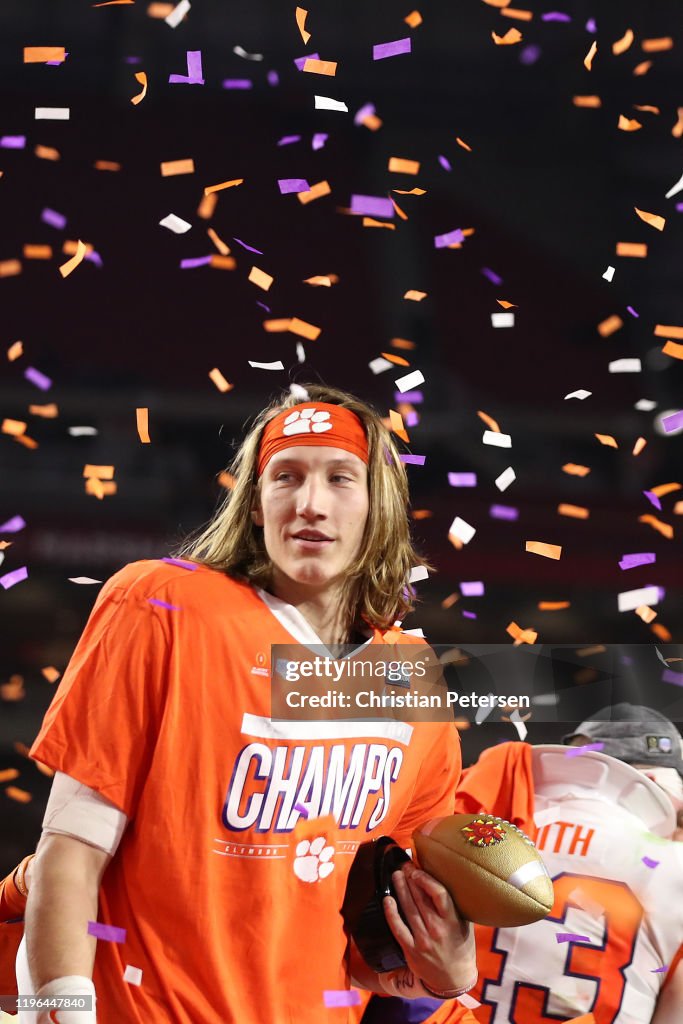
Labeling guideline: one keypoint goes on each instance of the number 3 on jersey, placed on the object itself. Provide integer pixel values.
(513, 968)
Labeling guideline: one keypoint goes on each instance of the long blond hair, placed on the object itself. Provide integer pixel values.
(376, 585)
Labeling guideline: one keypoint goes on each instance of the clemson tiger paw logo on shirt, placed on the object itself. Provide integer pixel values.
(306, 421)
(313, 860)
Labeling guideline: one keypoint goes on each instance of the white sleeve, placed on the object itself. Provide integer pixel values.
(79, 811)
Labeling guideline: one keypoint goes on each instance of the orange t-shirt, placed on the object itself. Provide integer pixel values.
(164, 710)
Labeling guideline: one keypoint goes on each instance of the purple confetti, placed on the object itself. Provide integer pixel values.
(37, 378)
(273, 78)
(653, 499)
(303, 811)
(641, 558)
(164, 604)
(442, 241)
(237, 83)
(571, 937)
(190, 262)
(413, 460)
(445, 162)
(585, 749)
(263, 306)
(341, 997)
(54, 219)
(504, 512)
(632, 311)
(289, 185)
(626, 660)
(660, 970)
(462, 479)
(410, 397)
(194, 71)
(13, 141)
(300, 61)
(287, 140)
(14, 577)
(649, 863)
(106, 932)
(182, 564)
(249, 248)
(472, 588)
(530, 54)
(492, 275)
(469, 615)
(94, 257)
(132, 60)
(57, 63)
(411, 418)
(679, 207)
(372, 206)
(393, 49)
(555, 16)
(675, 678)
(13, 525)
(673, 422)
(367, 110)
(591, 26)
(319, 140)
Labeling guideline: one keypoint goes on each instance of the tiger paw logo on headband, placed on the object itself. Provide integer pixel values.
(306, 421)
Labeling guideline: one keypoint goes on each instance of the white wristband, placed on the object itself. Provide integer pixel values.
(66, 990)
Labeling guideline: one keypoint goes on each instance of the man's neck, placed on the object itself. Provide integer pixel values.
(322, 609)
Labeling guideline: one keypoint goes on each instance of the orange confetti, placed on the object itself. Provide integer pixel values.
(539, 547)
(227, 480)
(588, 59)
(223, 249)
(413, 19)
(70, 248)
(607, 440)
(553, 606)
(373, 122)
(585, 1018)
(489, 421)
(15, 350)
(410, 191)
(461, 724)
(662, 632)
(574, 470)
(673, 350)
(9, 268)
(587, 101)
(678, 508)
(277, 326)
(224, 184)
(646, 614)
(370, 222)
(677, 130)
(421, 513)
(635, 249)
(260, 278)
(219, 380)
(141, 77)
(651, 218)
(521, 636)
(51, 673)
(414, 295)
(169, 168)
(398, 165)
(98, 472)
(574, 511)
(514, 12)
(219, 262)
(638, 446)
(497, 3)
(609, 326)
(20, 748)
(628, 124)
(664, 528)
(402, 343)
(395, 359)
(70, 265)
(319, 280)
(646, 107)
(303, 329)
(38, 252)
(46, 153)
(622, 45)
(321, 67)
(142, 422)
(668, 331)
(99, 489)
(21, 796)
(657, 45)
(41, 54)
(13, 689)
(7, 774)
(642, 68)
(26, 441)
(13, 427)
(106, 165)
(512, 36)
(301, 16)
(159, 10)
(48, 412)
(321, 188)
(449, 601)
(663, 489)
(507, 305)
(207, 206)
(396, 424)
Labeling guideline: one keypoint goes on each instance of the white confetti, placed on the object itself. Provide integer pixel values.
(483, 712)
(675, 189)
(468, 1001)
(411, 380)
(498, 440)
(546, 700)
(624, 366)
(178, 13)
(52, 113)
(417, 573)
(645, 405)
(584, 902)
(462, 530)
(414, 632)
(83, 579)
(300, 353)
(247, 56)
(325, 103)
(505, 479)
(379, 365)
(175, 224)
(279, 365)
(83, 431)
(133, 975)
(299, 392)
(629, 600)
(580, 394)
(519, 725)
(609, 274)
(503, 319)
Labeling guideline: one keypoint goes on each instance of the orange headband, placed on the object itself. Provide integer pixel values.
(313, 423)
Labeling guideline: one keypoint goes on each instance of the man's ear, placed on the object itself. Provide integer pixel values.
(257, 516)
